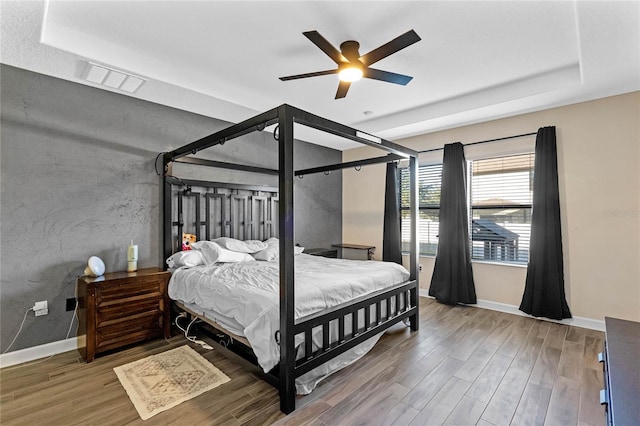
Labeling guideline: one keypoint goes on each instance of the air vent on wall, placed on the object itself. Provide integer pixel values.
(110, 77)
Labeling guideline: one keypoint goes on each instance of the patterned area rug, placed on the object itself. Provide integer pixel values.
(159, 382)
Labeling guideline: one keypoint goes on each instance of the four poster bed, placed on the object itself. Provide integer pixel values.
(341, 307)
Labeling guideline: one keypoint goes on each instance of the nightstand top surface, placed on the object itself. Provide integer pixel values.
(123, 274)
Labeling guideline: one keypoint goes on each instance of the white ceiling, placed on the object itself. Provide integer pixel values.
(476, 61)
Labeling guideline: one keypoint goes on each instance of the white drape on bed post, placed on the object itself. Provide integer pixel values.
(287, 296)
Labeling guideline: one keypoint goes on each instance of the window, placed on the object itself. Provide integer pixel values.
(429, 178)
(500, 190)
(501, 198)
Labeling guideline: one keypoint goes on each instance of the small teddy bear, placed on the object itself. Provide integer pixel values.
(187, 240)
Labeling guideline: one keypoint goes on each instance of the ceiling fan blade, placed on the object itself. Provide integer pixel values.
(325, 46)
(343, 88)
(309, 74)
(398, 43)
(389, 77)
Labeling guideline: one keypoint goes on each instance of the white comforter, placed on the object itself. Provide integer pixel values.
(248, 292)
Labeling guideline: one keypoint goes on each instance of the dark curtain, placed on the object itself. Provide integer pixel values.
(544, 289)
(452, 280)
(391, 240)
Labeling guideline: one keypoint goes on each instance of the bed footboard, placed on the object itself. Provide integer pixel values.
(342, 328)
(398, 303)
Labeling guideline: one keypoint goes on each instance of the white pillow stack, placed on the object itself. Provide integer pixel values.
(227, 250)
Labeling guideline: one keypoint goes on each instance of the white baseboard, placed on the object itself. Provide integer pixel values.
(37, 352)
(512, 309)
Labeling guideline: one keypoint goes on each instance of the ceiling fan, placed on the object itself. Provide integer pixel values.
(352, 66)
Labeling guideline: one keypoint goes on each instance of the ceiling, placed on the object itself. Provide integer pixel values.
(476, 61)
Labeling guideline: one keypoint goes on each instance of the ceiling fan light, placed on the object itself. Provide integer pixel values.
(350, 74)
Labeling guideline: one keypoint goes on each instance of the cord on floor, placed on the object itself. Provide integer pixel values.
(186, 332)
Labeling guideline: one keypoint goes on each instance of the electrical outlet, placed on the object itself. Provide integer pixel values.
(71, 304)
(41, 308)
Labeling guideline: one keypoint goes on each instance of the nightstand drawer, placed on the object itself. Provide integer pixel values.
(129, 306)
(127, 333)
(132, 315)
(122, 291)
(127, 325)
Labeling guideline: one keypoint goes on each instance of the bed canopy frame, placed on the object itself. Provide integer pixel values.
(404, 296)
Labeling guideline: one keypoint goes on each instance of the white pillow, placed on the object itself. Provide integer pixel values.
(271, 241)
(249, 246)
(214, 253)
(272, 252)
(185, 258)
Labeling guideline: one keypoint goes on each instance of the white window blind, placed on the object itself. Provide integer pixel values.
(429, 179)
(501, 194)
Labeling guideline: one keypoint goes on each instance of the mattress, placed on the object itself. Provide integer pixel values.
(246, 294)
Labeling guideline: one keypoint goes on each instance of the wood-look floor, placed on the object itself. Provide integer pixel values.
(466, 366)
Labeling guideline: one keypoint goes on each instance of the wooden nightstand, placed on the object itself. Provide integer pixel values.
(121, 308)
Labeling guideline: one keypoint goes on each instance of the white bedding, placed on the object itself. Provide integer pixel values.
(248, 293)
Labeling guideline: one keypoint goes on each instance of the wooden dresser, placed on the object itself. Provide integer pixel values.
(121, 308)
(621, 363)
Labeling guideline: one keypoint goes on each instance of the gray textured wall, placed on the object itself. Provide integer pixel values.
(78, 179)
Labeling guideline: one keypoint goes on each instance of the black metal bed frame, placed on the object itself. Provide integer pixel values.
(400, 301)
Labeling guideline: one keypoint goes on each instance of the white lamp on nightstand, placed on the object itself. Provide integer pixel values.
(95, 267)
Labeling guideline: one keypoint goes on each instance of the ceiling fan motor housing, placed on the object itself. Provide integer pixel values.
(349, 50)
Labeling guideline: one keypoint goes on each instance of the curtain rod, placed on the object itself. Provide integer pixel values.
(488, 140)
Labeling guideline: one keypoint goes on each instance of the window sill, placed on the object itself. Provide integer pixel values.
(489, 262)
